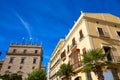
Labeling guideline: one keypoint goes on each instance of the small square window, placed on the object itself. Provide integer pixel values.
(11, 60)
(9, 67)
(36, 51)
(24, 51)
(33, 67)
(14, 50)
(34, 61)
(22, 60)
(20, 67)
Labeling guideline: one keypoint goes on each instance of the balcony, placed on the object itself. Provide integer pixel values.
(63, 55)
(73, 46)
(76, 65)
(106, 35)
(53, 74)
(57, 62)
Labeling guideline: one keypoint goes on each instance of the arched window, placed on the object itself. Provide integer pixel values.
(81, 34)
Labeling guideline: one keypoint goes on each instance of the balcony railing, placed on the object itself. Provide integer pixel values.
(57, 62)
(63, 55)
(72, 46)
(53, 74)
(76, 65)
(106, 34)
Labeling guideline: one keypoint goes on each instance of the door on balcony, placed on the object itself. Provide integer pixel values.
(108, 75)
(107, 49)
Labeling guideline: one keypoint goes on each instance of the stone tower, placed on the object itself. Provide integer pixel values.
(22, 59)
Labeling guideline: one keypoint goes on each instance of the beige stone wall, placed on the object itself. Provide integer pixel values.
(30, 49)
(108, 27)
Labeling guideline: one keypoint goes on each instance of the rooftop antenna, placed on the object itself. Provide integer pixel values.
(23, 40)
(30, 40)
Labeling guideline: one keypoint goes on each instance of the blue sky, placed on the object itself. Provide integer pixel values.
(46, 21)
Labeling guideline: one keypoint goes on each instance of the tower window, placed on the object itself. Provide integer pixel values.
(34, 61)
(33, 67)
(20, 67)
(14, 50)
(22, 60)
(36, 51)
(24, 51)
(9, 67)
(11, 60)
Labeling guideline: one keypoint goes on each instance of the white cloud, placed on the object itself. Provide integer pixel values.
(25, 24)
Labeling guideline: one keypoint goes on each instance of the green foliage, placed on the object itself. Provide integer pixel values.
(38, 74)
(11, 77)
(94, 55)
(65, 70)
(94, 60)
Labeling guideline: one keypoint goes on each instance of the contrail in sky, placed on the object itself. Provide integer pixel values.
(25, 24)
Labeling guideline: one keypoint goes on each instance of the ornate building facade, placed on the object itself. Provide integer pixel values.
(90, 31)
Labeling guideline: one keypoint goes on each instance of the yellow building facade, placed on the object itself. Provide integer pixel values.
(90, 31)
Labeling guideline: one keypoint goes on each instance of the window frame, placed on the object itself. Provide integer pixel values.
(9, 67)
(24, 51)
(36, 51)
(21, 67)
(81, 34)
(34, 60)
(84, 50)
(22, 61)
(118, 36)
(14, 50)
(33, 67)
(103, 32)
(11, 60)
